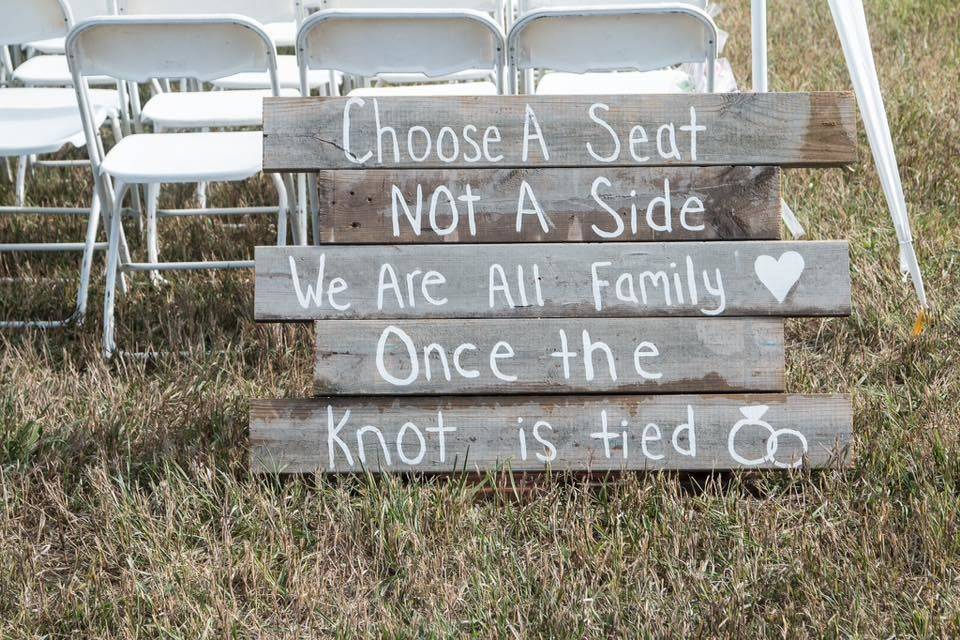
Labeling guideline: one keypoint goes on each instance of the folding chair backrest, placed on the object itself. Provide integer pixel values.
(635, 37)
(263, 11)
(533, 5)
(141, 48)
(367, 42)
(29, 20)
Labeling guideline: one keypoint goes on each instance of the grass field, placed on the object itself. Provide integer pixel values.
(127, 510)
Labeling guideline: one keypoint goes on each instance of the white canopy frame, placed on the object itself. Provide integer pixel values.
(851, 23)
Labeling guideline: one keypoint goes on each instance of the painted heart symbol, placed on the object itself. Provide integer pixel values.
(779, 276)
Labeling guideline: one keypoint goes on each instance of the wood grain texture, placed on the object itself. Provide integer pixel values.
(306, 436)
(785, 129)
(371, 206)
(421, 357)
(559, 280)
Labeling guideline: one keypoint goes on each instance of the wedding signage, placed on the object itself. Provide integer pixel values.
(549, 205)
(584, 355)
(754, 129)
(553, 280)
(599, 433)
(570, 282)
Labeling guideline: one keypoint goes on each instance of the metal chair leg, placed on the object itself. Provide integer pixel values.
(21, 187)
(86, 266)
(117, 131)
(202, 186)
(291, 192)
(202, 195)
(153, 250)
(314, 204)
(302, 211)
(791, 221)
(113, 265)
(283, 209)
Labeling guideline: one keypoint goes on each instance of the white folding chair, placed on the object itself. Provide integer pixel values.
(81, 10)
(242, 108)
(277, 17)
(46, 71)
(50, 69)
(367, 42)
(138, 49)
(582, 46)
(494, 8)
(41, 121)
(526, 6)
(280, 19)
(200, 109)
(434, 43)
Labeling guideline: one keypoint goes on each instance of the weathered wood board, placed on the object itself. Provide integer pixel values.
(553, 280)
(531, 433)
(785, 129)
(584, 355)
(549, 205)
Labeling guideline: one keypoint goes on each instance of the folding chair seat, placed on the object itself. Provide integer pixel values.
(434, 89)
(147, 158)
(623, 82)
(287, 71)
(51, 71)
(106, 100)
(50, 46)
(42, 129)
(199, 109)
(470, 75)
(283, 33)
(18, 103)
(138, 49)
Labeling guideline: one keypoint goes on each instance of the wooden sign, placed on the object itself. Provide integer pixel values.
(707, 279)
(614, 204)
(585, 283)
(584, 355)
(530, 433)
(792, 129)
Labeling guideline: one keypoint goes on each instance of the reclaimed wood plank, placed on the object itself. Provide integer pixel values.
(785, 129)
(530, 433)
(583, 355)
(777, 279)
(549, 205)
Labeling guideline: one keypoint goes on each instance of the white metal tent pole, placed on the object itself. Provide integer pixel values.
(851, 23)
(759, 31)
(761, 85)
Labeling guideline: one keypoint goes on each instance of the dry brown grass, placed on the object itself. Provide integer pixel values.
(127, 510)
